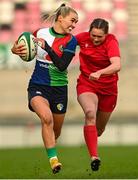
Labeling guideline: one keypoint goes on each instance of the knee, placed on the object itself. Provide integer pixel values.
(46, 120)
(90, 116)
(100, 131)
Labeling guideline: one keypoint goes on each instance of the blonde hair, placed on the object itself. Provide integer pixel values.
(63, 10)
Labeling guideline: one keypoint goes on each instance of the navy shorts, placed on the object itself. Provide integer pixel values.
(57, 96)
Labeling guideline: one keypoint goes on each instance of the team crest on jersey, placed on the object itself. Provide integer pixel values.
(60, 106)
(61, 48)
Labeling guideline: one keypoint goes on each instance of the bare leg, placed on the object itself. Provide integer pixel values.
(101, 121)
(58, 122)
(41, 107)
(89, 103)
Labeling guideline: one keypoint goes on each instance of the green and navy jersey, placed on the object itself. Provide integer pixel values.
(45, 72)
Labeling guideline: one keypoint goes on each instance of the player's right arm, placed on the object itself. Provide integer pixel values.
(18, 49)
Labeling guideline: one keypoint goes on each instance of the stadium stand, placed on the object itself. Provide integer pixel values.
(19, 16)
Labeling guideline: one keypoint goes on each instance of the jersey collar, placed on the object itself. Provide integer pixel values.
(54, 33)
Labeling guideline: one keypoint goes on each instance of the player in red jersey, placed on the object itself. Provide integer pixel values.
(97, 83)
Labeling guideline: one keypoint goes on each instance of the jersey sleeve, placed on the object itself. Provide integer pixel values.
(35, 32)
(113, 48)
(71, 45)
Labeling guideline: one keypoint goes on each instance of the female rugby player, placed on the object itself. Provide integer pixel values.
(97, 83)
(47, 90)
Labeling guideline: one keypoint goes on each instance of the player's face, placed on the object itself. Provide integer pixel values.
(97, 36)
(68, 23)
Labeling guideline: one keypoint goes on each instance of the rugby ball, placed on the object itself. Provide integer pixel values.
(27, 39)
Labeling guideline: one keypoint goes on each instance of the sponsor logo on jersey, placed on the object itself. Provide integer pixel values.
(52, 67)
(43, 65)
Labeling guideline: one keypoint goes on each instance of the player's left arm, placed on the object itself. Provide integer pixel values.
(114, 67)
(114, 58)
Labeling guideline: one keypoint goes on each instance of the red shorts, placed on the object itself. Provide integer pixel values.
(106, 93)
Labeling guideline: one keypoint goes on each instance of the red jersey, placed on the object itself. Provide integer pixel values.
(94, 58)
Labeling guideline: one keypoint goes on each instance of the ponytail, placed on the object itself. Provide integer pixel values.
(61, 10)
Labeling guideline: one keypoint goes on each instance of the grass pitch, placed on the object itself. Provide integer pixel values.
(118, 162)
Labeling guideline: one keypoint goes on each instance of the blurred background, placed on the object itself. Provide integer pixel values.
(20, 127)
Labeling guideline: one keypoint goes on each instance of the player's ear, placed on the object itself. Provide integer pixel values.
(60, 18)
